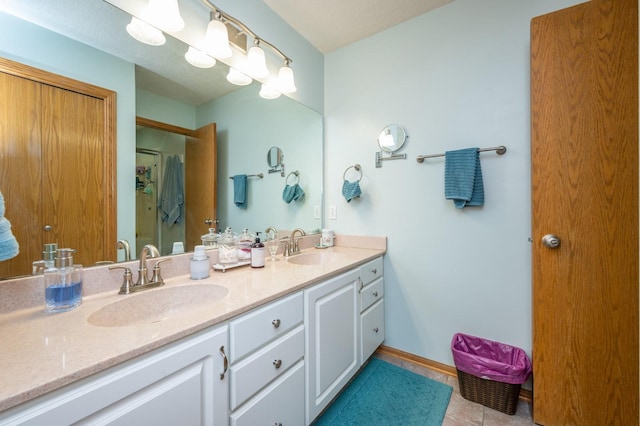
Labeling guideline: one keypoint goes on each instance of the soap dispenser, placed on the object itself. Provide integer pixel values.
(257, 253)
(48, 259)
(63, 283)
(199, 263)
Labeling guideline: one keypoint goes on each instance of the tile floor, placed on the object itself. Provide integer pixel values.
(462, 412)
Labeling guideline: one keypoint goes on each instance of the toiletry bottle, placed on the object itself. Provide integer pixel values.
(63, 283)
(48, 259)
(245, 241)
(199, 263)
(227, 253)
(257, 253)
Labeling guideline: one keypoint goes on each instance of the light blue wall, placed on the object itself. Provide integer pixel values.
(159, 108)
(455, 77)
(32, 45)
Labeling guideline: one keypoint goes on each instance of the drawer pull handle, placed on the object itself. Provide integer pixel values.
(375, 329)
(375, 294)
(277, 363)
(225, 362)
(276, 323)
(374, 270)
(361, 284)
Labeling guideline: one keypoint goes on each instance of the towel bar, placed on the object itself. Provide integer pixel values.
(259, 175)
(500, 150)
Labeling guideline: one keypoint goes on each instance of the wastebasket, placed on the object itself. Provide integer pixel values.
(490, 373)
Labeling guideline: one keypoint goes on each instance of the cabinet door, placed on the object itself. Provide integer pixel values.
(372, 322)
(177, 385)
(332, 321)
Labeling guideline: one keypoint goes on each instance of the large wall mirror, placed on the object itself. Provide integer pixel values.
(247, 125)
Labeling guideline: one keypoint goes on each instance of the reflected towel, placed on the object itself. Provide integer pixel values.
(240, 191)
(351, 190)
(8, 244)
(463, 178)
(292, 193)
(171, 199)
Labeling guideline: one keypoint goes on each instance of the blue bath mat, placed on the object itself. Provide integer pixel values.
(383, 394)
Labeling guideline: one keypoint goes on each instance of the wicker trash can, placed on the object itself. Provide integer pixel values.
(490, 373)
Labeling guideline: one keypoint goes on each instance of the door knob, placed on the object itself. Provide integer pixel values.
(551, 241)
(208, 221)
(48, 228)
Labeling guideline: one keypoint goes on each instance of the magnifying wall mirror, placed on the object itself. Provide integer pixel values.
(275, 159)
(391, 139)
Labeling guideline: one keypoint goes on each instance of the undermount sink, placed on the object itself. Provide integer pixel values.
(156, 305)
(313, 258)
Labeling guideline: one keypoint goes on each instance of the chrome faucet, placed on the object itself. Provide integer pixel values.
(294, 247)
(152, 251)
(143, 282)
(124, 244)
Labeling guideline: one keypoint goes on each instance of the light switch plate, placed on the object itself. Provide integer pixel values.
(333, 212)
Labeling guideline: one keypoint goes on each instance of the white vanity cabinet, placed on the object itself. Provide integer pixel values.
(183, 383)
(267, 364)
(371, 289)
(332, 318)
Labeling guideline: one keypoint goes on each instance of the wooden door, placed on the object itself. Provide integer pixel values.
(584, 93)
(74, 173)
(200, 184)
(58, 165)
(20, 173)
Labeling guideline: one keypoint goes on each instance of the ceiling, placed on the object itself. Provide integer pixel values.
(331, 24)
(327, 25)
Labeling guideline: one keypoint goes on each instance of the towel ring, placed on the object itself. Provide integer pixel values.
(297, 175)
(357, 168)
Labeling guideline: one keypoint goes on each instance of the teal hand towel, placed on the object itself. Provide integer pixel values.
(8, 244)
(351, 190)
(463, 178)
(292, 193)
(240, 191)
(171, 200)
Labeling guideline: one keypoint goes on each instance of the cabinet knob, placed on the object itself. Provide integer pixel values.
(374, 270)
(375, 294)
(277, 363)
(375, 329)
(276, 323)
(277, 424)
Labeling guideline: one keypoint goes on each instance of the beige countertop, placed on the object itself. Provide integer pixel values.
(42, 352)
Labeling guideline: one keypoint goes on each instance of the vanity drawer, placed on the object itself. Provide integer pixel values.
(372, 322)
(281, 403)
(371, 293)
(371, 271)
(256, 371)
(263, 325)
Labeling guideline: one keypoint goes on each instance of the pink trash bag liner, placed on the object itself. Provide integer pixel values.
(490, 360)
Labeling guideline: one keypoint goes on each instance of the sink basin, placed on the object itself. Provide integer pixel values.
(314, 258)
(156, 305)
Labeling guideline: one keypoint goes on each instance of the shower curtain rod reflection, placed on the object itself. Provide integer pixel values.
(259, 175)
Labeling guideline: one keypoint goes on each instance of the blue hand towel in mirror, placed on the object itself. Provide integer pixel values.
(8, 244)
(292, 193)
(351, 190)
(240, 191)
(463, 178)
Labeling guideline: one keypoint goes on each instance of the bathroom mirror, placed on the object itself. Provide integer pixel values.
(247, 125)
(274, 158)
(391, 138)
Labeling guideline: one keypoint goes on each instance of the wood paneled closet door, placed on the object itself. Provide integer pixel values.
(57, 165)
(584, 94)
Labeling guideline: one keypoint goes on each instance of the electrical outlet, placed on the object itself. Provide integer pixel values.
(333, 212)
(316, 212)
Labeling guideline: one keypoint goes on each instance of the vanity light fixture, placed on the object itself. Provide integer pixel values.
(164, 14)
(285, 81)
(236, 77)
(217, 37)
(256, 62)
(267, 92)
(145, 33)
(198, 58)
